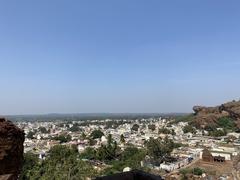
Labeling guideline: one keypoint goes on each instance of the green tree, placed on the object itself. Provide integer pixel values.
(189, 129)
(43, 130)
(30, 135)
(74, 128)
(122, 139)
(173, 132)
(164, 131)
(152, 127)
(160, 148)
(88, 153)
(83, 136)
(92, 142)
(226, 122)
(184, 118)
(96, 134)
(129, 152)
(198, 171)
(111, 147)
(108, 152)
(63, 138)
(30, 162)
(132, 157)
(62, 163)
(184, 173)
(135, 127)
(218, 133)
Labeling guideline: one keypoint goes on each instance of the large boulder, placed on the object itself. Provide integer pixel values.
(208, 116)
(233, 108)
(11, 149)
(201, 110)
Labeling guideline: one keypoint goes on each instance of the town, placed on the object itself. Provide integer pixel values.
(170, 146)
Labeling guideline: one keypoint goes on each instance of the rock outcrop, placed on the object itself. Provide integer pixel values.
(11, 149)
(205, 116)
(233, 108)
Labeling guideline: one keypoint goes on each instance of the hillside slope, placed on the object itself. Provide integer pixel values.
(205, 117)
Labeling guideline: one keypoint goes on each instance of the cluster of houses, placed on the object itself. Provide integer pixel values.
(195, 146)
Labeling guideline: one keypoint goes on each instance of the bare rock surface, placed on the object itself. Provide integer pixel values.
(205, 116)
(11, 148)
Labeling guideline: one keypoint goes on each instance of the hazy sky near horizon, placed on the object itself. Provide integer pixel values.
(59, 56)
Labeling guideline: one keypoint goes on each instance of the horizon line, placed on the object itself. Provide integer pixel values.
(93, 113)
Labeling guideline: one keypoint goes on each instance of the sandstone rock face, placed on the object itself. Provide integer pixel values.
(205, 116)
(11, 148)
(201, 110)
(233, 108)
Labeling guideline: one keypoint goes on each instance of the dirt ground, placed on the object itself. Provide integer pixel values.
(215, 168)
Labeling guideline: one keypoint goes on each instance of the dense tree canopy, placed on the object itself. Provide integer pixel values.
(164, 131)
(226, 122)
(130, 157)
(29, 163)
(152, 127)
(74, 128)
(88, 153)
(63, 138)
(195, 171)
(61, 164)
(43, 130)
(30, 135)
(107, 152)
(160, 148)
(189, 129)
(218, 133)
(118, 160)
(135, 127)
(83, 136)
(96, 134)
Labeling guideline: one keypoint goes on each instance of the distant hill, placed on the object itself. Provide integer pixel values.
(88, 116)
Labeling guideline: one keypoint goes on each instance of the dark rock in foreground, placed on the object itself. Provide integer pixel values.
(131, 175)
(11, 149)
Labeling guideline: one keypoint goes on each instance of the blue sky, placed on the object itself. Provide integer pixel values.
(59, 56)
